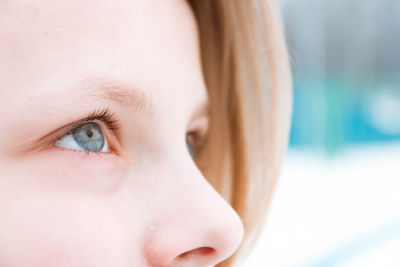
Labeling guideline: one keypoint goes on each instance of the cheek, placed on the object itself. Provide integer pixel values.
(63, 231)
(32, 233)
(62, 208)
(40, 251)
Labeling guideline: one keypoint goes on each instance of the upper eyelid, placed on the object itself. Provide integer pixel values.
(201, 127)
(103, 115)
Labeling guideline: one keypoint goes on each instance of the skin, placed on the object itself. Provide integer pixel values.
(143, 203)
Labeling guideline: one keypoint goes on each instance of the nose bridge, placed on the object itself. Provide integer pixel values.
(194, 223)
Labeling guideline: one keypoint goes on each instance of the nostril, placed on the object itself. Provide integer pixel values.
(202, 251)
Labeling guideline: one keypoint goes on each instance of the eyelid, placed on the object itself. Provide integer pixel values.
(199, 126)
(199, 135)
(104, 119)
(108, 134)
(199, 141)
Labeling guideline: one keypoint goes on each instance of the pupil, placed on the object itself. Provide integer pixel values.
(89, 133)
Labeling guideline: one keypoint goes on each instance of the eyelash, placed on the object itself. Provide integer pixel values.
(103, 115)
(108, 118)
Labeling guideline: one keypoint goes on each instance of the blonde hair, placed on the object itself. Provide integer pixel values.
(246, 69)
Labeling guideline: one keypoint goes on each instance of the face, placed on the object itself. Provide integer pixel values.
(103, 106)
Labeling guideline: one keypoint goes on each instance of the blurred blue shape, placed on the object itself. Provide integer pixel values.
(332, 113)
(346, 69)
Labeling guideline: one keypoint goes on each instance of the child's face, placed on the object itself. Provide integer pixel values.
(137, 199)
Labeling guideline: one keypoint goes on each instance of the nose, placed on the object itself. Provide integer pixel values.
(195, 226)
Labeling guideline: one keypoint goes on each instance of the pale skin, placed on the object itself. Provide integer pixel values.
(140, 202)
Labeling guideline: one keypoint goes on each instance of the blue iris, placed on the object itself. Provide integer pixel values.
(89, 137)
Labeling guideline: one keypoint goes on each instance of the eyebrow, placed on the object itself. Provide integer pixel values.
(126, 94)
(122, 93)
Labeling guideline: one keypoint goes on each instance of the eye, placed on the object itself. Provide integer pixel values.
(86, 137)
(195, 142)
(189, 144)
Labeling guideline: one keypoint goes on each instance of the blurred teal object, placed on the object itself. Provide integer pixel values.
(346, 69)
(330, 114)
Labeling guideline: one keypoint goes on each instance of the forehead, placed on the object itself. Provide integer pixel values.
(150, 43)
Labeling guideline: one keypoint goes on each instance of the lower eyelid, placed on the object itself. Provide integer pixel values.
(82, 153)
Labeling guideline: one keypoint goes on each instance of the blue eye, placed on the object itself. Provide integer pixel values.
(86, 137)
(190, 146)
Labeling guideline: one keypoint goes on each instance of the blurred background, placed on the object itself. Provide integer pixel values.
(338, 199)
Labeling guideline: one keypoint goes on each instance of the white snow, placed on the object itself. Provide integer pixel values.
(340, 211)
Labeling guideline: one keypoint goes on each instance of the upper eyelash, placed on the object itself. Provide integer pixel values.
(103, 115)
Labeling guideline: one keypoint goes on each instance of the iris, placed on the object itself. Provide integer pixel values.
(89, 137)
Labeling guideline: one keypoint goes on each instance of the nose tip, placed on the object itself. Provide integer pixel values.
(201, 234)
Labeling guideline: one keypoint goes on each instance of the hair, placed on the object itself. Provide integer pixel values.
(247, 74)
